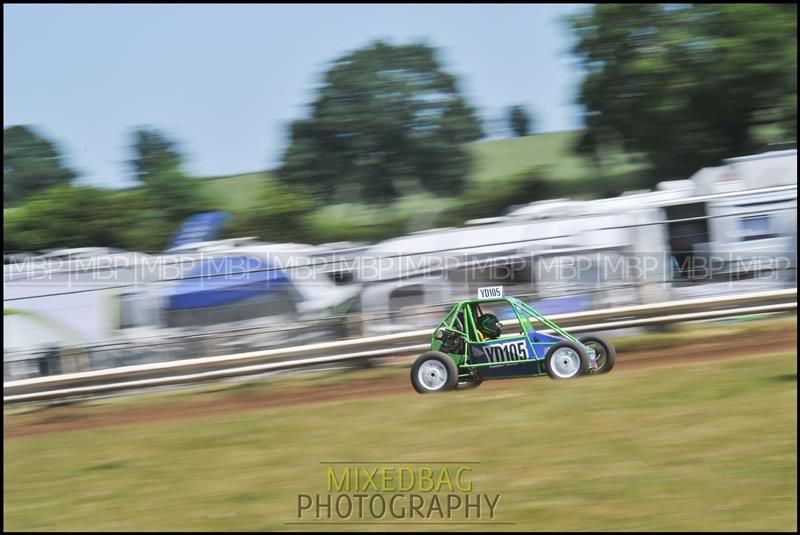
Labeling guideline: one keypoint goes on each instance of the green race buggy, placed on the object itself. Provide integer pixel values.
(471, 345)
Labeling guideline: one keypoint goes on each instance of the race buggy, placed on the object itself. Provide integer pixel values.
(470, 346)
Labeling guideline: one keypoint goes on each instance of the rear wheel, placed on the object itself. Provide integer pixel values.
(434, 372)
(566, 360)
(605, 354)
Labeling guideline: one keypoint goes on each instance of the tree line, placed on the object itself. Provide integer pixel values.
(682, 85)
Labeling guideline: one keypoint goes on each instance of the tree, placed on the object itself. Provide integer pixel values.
(31, 163)
(140, 219)
(154, 153)
(57, 217)
(171, 195)
(384, 119)
(519, 120)
(688, 85)
(587, 146)
(277, 215)
(497, 194)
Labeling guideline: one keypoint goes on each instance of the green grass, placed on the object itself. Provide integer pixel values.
(706, 446)
(680, 334)
(553, 151)
(234, 192)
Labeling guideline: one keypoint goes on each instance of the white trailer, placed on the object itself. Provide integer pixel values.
(82, 298)
(668, 243)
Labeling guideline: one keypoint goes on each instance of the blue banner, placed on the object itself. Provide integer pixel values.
(205, 226)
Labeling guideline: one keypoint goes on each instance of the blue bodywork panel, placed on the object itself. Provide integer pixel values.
(542, 342)
(511, 357)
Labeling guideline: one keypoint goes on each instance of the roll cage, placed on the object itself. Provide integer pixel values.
(461, 320)
(462, 317)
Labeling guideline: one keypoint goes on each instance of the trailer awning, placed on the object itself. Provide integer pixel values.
(217, 281)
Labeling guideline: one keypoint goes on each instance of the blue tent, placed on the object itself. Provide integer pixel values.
(217, 281)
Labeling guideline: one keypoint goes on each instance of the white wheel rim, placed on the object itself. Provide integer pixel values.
(565, 362)
(432, 375)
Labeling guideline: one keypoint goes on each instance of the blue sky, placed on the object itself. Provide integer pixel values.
(225, 80)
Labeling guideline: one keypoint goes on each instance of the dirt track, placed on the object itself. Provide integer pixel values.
(89, 417)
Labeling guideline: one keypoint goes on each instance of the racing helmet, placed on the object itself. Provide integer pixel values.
(489, 325)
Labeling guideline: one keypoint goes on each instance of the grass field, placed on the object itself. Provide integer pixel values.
(708, 446)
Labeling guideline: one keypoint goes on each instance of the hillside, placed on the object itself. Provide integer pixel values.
(234, 192)
(551, 150)
(493, 159)
(505, 172)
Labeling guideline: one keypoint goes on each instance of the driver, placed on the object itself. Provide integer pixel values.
(489, 326)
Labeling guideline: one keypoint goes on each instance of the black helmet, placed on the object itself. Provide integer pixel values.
(489, 325)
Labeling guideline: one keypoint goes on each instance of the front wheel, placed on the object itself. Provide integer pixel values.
(566, 360)
(434, 372)
(605, 354)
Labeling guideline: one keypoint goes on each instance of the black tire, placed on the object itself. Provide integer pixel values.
(604, 349)
(446, 370)
(569, 369)
(469, 384)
